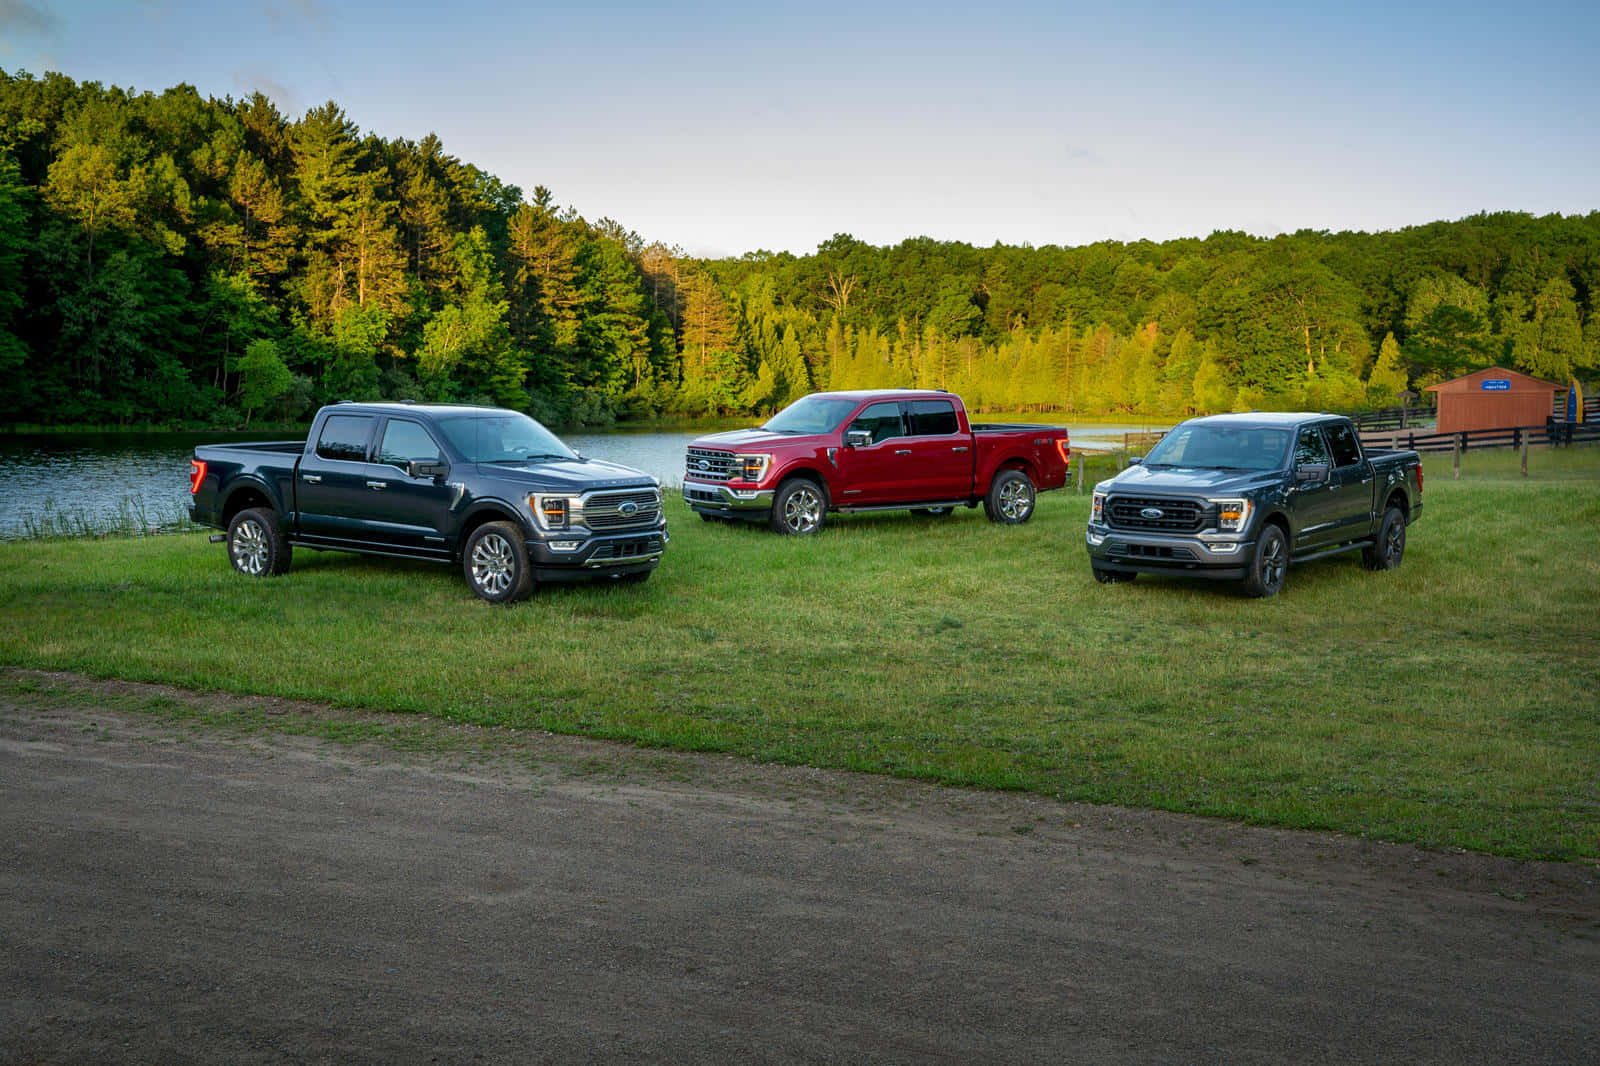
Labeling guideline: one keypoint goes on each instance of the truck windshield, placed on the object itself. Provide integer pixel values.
(811, 414)
(1222, 448)
(502, 437)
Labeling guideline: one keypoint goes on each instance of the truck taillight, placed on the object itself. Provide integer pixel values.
(1064, 446)
(197, 474)
(1419, 479)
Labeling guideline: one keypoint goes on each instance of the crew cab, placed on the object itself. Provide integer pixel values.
(889, 449)
(490, 489)
(1240, 497)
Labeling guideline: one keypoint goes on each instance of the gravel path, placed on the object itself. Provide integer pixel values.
(175, 893)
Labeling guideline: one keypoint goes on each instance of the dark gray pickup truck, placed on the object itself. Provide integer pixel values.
(1240, 497)
(488, 488)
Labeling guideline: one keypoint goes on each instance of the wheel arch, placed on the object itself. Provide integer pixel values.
(1397, 498)
(809, 473)
(1015, 462)
(244, 496)
(481, 513)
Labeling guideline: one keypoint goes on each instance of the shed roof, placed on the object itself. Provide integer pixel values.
(1520, 382)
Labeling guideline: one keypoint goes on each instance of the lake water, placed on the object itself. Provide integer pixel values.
(60, 483)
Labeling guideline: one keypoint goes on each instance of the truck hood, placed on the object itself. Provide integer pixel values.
(749, 438)
(1185, 480)
(574, 476)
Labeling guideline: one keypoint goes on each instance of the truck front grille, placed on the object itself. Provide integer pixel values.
(706, 464)
(634, 509)
(1157, 514)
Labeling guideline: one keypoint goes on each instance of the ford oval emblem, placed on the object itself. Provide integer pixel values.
(627, 507)
(704, 464)
(1152, 512)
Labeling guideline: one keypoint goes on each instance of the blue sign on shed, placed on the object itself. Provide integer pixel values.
(1496, 385)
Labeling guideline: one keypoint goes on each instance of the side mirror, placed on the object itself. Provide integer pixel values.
(1312, 472)
(423, 468)
(1135, 460)
(857, 438)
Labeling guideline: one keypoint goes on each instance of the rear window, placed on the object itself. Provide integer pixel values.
(345, 437)
(932, 418)
(1342, 439)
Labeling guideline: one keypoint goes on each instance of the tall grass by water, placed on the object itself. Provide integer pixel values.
(131, 516)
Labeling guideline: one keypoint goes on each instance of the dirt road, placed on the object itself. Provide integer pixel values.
(174, 893)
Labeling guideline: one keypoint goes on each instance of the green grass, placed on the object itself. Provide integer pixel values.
(1451, 702)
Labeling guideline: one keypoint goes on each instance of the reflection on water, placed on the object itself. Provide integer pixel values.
(79, 484)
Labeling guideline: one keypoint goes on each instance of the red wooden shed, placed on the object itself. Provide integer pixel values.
(1495, 398)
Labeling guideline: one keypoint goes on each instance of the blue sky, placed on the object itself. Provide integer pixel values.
(722, 128)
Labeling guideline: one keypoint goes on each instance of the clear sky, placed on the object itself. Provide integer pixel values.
(723, 128)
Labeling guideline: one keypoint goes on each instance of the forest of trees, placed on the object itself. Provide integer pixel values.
(172, 259)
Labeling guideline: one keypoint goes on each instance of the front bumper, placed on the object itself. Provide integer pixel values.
(717, 499)
(592, 555)
(1210, 555)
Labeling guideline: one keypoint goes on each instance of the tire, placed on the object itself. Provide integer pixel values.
(1112, 577)
(1010, 498)
(799, 508)
(256, 545)
(495, 563)
(1269, 564)
(1386, 552)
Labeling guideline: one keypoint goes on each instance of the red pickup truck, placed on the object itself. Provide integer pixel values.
(882, 450)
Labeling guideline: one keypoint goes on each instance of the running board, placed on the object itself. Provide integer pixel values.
(963, 502)
(1324, 553)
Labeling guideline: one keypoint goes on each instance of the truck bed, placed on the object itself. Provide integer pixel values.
(278, 447)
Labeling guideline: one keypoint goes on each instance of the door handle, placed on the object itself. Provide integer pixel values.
(959, 448)
(902, 451)
(315, 479)
(377, 484)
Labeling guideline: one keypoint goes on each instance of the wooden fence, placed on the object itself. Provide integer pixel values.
(1558, 433)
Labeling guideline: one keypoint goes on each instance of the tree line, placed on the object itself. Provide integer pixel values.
(169, 258)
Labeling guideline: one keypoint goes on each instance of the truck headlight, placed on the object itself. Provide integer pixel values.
(1097, 506)
(556, 512)
(751, 467)
(1232, 515)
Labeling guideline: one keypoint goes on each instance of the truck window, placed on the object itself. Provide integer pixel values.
(345, 437)
(932, 418)
(405, 441)
(1310, 448)
(1346, 448)
(881, 419)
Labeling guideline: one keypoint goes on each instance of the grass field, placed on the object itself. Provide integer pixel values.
(1452, 702)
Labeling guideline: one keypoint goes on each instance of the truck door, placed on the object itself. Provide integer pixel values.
(874, 472)
(941, 457)
(330, 486)
(1351, 484)
(413, 512)
(1313, 499)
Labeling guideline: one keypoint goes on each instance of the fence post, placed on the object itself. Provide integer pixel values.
(1455, 446)
(1525, 437)
(1080, 472)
